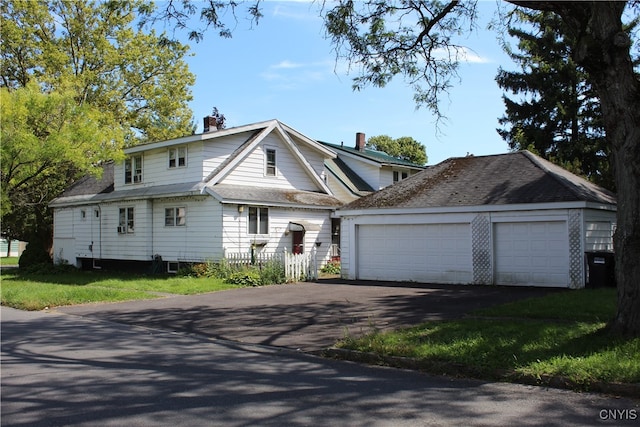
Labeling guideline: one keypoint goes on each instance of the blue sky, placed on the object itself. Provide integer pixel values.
(285, 69)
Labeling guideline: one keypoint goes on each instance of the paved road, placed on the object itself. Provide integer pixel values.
(305, 316)
(62, 370)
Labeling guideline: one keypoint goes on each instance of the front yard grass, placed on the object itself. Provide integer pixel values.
(562, 335)
(36, 292)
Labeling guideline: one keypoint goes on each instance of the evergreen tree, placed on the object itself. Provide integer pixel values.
(556, 112)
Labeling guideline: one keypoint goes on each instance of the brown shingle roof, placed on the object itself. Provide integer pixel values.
(512, 178)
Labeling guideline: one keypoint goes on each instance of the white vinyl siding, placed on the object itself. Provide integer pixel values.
(290, 172)
(157, 171)
(200, 239)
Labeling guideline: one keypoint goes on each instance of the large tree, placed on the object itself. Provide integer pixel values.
(79, 80)
(47, 141)
(96, 49)
(555, 111)
(405, 148)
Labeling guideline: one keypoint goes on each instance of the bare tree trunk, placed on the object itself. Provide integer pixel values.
(603, 50)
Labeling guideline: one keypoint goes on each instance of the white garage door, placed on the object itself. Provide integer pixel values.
(532, 253)
(430, 253)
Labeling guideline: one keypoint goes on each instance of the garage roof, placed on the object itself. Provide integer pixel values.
(513, 178)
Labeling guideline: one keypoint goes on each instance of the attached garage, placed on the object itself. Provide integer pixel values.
(415, 252)
(511, 219)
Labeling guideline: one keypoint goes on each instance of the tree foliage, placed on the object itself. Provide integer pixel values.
(405, 148)
(556, 112)
(47, 141)
(78, 81)
(414, 40)
(93, 49)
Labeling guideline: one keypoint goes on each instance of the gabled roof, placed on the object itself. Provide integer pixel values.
(378, 157)
(348, 177)
(259, 133)
(513, 178)
(89, 184)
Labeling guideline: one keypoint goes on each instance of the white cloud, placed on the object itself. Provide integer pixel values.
(286, 64)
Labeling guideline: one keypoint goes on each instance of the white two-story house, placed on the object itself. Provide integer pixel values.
(196, 198)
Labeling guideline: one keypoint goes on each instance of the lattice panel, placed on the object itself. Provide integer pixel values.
(481, 250)
(576, 256)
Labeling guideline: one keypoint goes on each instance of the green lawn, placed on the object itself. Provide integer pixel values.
(9, 260)
(563, 334)
(35, 292)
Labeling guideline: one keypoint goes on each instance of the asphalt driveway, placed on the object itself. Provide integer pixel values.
(304, 316)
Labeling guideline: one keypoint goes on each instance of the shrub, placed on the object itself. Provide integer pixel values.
(34, 254)
(245, 278)
(272, 273)
(332, 267)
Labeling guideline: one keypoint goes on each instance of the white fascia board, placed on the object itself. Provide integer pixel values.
(303, 161)
(311, 142)
(198, 137)
(465, 209)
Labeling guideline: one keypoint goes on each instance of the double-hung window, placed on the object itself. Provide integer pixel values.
(133, 169)
(125, 221)
(270, 165)
(258, 220)
(175, 217)
(177, 157)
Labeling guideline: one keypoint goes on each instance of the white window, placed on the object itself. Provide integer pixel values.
(133, 169)
(258, 220)
(125, 221)
(177, 157)
(270, 166)
(397, 176)
(83, 214)
(175, 217)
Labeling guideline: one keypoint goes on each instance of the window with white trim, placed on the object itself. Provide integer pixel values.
(270, 162)
(125, 221)
(258, 220)
(133, 169)
(397, 176)
(177, 157)
(175, 217)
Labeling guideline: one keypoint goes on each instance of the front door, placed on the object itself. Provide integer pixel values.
(298, 242)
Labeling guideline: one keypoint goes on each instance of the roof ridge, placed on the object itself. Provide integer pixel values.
(558, 174)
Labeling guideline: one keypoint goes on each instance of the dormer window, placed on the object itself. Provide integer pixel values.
(270, 167)
(133, 169)
(177, 157)
(397, 176)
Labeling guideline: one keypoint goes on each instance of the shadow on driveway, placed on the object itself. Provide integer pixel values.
(306, 316)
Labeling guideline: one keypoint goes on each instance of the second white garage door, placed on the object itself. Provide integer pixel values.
(531, 253)
(429, 253)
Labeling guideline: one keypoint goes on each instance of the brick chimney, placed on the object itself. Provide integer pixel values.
(360, 141)
(210, 124)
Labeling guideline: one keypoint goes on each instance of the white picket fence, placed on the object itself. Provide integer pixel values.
(297, 267)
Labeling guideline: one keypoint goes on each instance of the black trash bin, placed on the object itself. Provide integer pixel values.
(600, 269)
